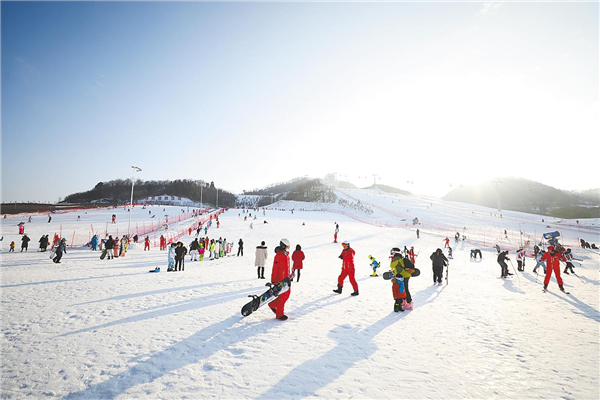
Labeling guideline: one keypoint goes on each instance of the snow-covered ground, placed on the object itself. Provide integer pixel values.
(98, 329)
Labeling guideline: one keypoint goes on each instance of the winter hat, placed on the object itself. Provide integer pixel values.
(298, 248)
(262, 243)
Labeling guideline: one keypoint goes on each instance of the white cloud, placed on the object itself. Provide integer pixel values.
(489, 9)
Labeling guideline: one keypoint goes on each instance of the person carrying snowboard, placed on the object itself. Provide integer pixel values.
(260, 258)
(281, 271)
(438, 262)
(298, 258)
(60, 249)
(402, 298)
(347, 258)
(552, 259)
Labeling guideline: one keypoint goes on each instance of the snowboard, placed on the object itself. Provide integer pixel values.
(103, 255)
(268, 296)
(389, 274)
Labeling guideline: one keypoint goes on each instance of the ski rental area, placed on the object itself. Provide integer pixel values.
(109, 329)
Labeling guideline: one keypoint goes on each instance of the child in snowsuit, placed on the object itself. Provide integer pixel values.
(171, 258)
(374, 265)
(297, 258)
(12, 247)
(520, 260)
(201, 250)
(569, 256)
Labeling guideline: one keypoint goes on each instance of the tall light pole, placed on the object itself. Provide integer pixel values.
(131, 202)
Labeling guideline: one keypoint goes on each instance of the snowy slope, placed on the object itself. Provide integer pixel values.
(88, 328)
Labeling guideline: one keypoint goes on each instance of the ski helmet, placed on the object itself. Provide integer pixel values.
(550, 248)
(395, 250)
(285, 243)
(345, 243)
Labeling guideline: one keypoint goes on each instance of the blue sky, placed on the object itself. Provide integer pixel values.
(248, 94)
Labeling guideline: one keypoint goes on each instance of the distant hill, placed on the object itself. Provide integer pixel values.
(529, 196)
(119, 191)
(389, 189)
(298, 189)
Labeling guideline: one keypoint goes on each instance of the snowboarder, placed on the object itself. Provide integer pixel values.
(260, 259)
(398, 286)
(438, 262)
(347, 258)
(298, 257)
(281, 271)
(374, 265)
(502, 257)
(552, 259)
(60, 249)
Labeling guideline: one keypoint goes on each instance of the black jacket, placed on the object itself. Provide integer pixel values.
(438, 258)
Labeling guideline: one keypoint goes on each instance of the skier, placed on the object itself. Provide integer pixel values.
(446, 242)
(450, 252)
(25, 242)
(260, 259)
(62, 248)
(553, 258)
(49, 218)
(163, 243)
(347, 258)
(240, 247)
(411, 254)
(438, 262)
(281, 271)
(147, 243)
(417, 233)
(502, 257)
(569, 257)
(171, 258)
(520, 260)
(298, 258)
(374, 265)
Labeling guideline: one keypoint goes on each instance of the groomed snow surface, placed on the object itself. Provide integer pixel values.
(102, 329)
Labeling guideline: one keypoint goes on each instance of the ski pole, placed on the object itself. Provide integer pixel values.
(513, 267)
(578, 277)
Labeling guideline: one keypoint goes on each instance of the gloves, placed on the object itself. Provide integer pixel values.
(340, 257)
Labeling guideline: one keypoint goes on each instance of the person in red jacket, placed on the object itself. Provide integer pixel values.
(147, 243)
(297, 258)
(281, 271)
(163, 243)
(552, 259)
(347, 257)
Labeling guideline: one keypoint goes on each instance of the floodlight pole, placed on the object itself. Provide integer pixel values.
(131, 202)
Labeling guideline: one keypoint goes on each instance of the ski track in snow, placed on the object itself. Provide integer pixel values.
(97, 329)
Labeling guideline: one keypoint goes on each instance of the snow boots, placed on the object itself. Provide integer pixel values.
(355, 293)
(407, 306)
(398, 306)
(562, 289)
(338, 290)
